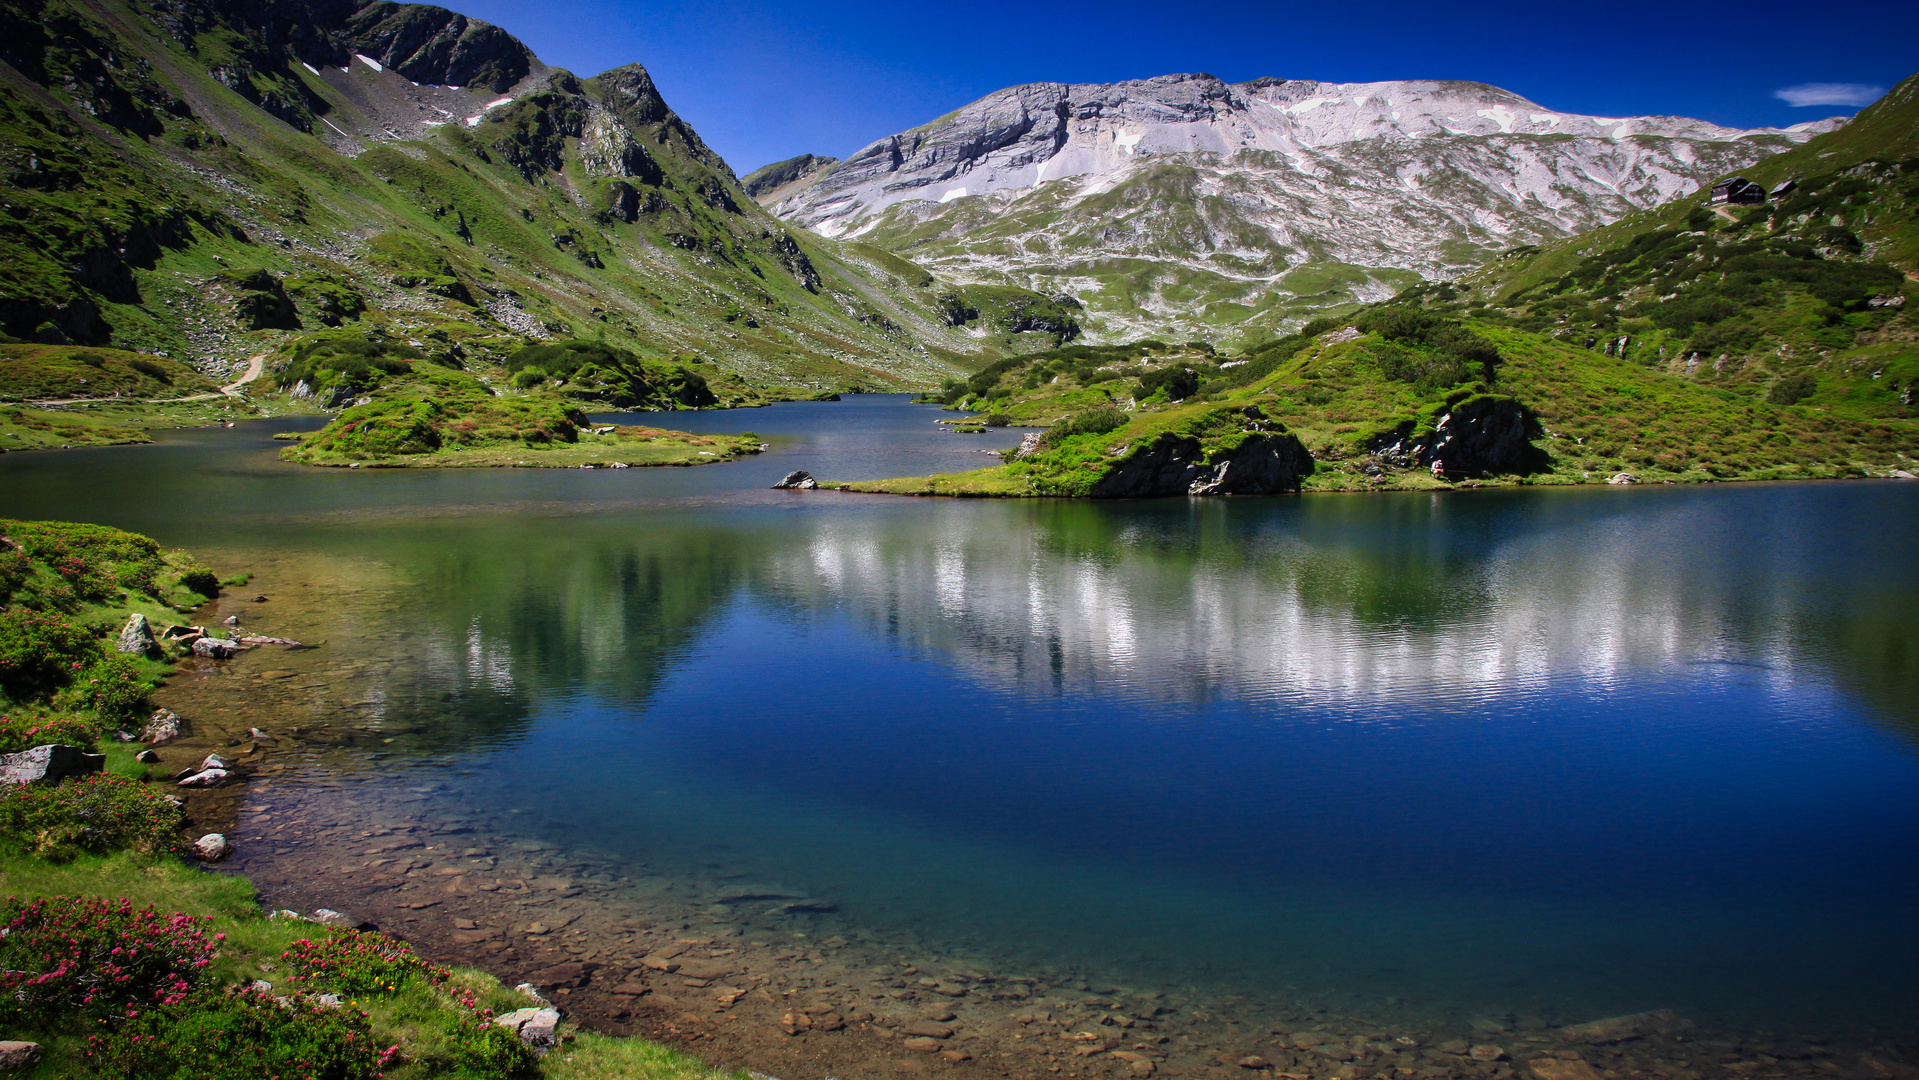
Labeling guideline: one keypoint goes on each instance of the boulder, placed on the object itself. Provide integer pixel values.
(212, 847)
(215, 761)
(797, 480)
(1620, 1028)
(137, 637)
(162, 727)
(205, 778)
(338, 919)
(1476, 435)
(216, 648)
(48, 764)
(1623, 478)
(18, 1055)
(1029, 444)
(537, 1028)
(147, 757)
(1265, 463)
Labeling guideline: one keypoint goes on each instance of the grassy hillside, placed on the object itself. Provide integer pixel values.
(1809, 298)
(202, 182)
(1376, 402)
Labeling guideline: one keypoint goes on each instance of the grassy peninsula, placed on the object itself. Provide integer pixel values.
(410, 409)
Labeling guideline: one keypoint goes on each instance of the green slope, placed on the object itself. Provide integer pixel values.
(1373, 402)
(1807, 298)
(207, 180)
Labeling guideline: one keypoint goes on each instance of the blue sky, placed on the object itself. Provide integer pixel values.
(763, 80)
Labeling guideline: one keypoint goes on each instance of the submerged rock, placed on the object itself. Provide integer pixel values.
(162, 727)
(1620, 1028)
(48, 764)
(212, 847)
(216, 648)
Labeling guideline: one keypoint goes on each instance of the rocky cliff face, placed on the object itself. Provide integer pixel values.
(1225, 209)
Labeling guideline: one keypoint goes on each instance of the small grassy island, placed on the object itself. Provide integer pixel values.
(412, 410)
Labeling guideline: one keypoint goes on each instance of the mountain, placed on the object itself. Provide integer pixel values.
(212, 179)
(1185, 206)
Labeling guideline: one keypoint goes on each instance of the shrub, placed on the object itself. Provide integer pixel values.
(111, 686)
(998, 419)
(40, 652)
(21, 731)
(362, 965)
(151, 370)
(15, 568)
(1180, 383)
(68, 958)
(201, 579)
(98, 813)
(1793, 389)
(246, 1035)
(527, 379)
(1094, 421)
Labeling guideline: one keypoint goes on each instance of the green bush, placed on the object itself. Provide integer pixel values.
(98, 813)
(998, 419)
(1793, 389)
(40, 652)
(243, 1035)
(527, 380)
(1179, 383)
(112, 687)
(1094, 421)
(24, 731)
(151, 370)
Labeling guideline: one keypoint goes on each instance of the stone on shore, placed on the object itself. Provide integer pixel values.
(212, 847)
(339, 919)
(136, 637)
(18, 1055)
(797, 480)
(537, 1028)
(48, 764)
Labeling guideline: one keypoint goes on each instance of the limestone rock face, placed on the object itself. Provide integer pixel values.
(1238, 185)
(1264, 464)
(48, 765)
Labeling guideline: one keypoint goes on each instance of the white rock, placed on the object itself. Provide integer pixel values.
(537, 1028)
(212, 847)
(48, 764)
(206, 778)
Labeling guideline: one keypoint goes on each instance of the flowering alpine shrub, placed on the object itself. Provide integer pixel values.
(40, 652)
(26, 730)
(111, 686)
(356, 964)
(72, 958)
(101, 812)
(242, 1035)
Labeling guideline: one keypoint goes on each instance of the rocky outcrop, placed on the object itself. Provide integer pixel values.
(439, 47)
(1262, 464)
(768, 179)
(163, 726)
(1478, 435)
(48, 765)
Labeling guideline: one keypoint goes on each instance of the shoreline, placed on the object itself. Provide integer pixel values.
(751, 982)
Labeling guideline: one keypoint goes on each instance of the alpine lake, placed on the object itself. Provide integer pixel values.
(826, 784)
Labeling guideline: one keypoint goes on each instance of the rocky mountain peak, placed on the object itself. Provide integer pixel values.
(1231, 190)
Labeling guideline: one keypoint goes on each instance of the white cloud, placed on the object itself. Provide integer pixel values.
(1826, 93)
